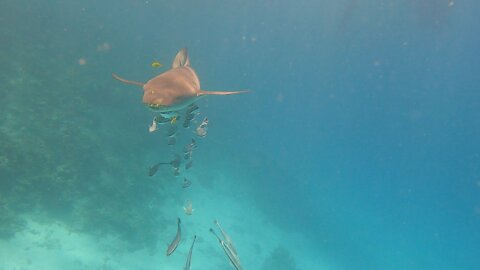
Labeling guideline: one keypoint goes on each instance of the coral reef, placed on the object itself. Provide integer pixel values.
(59, 159)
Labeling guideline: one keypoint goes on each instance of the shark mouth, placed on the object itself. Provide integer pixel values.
(154, 107)
(158, 107)
(163, 110)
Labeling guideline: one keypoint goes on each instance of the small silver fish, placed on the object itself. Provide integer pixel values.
(204, 122)
(172, 131)
(190, 147)
(188, 208)
(202, 128)
(188, 165)
(186, 123)
(153, 126)
(176, 162)
(186, 183)
(189, 116)
(193, 107)
(171, 248)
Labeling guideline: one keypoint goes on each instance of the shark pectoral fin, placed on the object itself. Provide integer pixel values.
(126, 81)
(203, 92)
(181, 59)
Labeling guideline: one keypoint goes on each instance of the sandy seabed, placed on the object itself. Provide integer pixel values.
(54, 246)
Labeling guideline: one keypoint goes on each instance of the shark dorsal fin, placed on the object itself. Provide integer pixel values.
(181, 59)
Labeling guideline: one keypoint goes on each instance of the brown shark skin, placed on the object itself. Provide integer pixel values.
(174, 89)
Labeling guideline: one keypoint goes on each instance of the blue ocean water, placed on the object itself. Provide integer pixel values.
(359, 133)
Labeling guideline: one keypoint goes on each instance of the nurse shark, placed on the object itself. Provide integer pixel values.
(174, 89)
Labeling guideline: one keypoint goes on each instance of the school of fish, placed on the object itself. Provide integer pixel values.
(172, 95)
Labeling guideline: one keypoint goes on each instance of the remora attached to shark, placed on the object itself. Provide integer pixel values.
(174, 89)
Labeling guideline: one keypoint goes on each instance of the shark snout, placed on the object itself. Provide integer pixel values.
(154, 103)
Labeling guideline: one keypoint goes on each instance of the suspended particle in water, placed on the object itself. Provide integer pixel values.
(82, 61)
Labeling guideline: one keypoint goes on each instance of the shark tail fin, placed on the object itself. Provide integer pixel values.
(127, 81)
(220, 93)
(181, 59)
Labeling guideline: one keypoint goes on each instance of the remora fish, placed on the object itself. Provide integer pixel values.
(175, 164)
(232, 256)
(171, 248)
(189, 257)
(153, 170)
(175, 89)
(227, 238)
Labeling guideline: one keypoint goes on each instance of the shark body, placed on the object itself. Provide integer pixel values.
(175, 89)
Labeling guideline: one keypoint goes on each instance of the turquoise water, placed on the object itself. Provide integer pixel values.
(356, 147)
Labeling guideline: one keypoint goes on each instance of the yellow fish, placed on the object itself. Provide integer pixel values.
(156, 64)
(174, 120)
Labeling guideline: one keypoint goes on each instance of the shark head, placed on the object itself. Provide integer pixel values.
(154, 100)
(169, 91)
